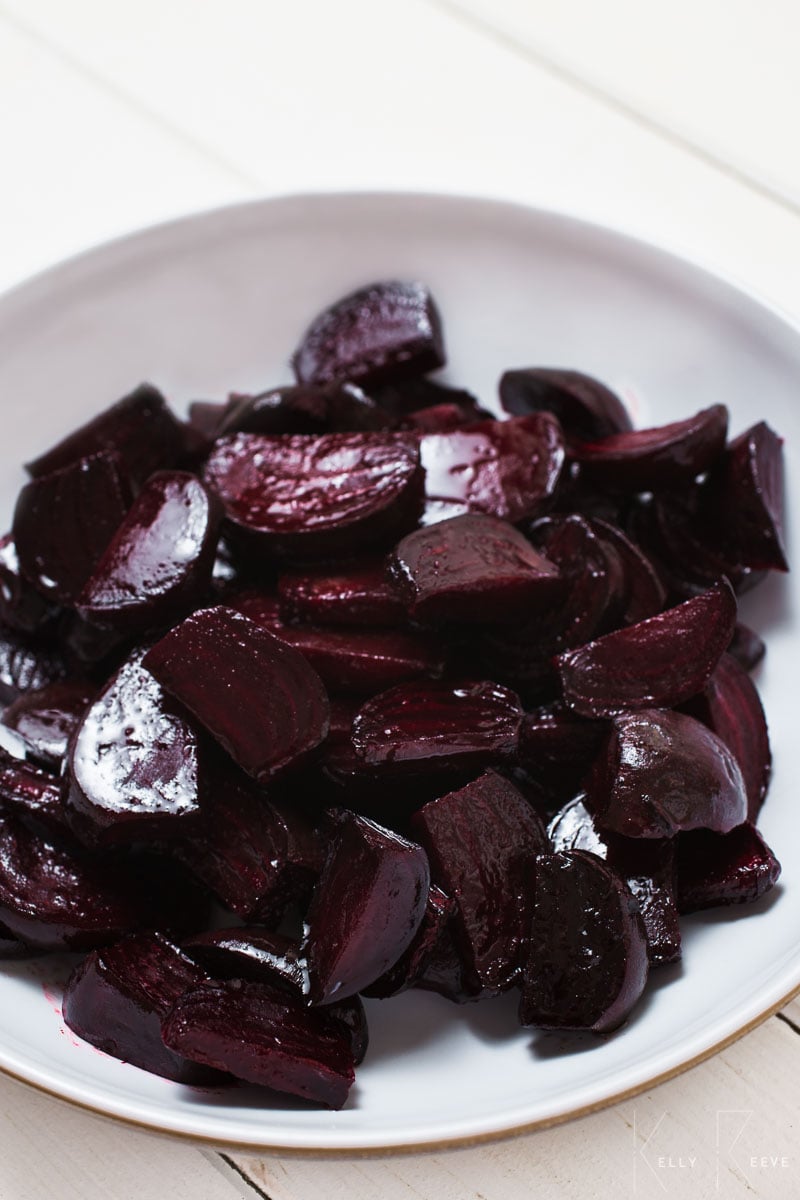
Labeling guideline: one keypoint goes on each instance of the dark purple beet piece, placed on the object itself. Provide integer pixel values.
(139, 427)
(45, 720)
(265, 1037)
(134, 763)
(586, 409)
(558, 747)
(482, 842)
(11, 947)
(472, 568)
(159, 562)
(747, 647)
(648, 459)
(731, 707)
(662, 772)
(442, 418)
(508, 469)
(367, 907)
(54, 897)
(31, 792)
(118, 996)
(409, 396)
(255, 855)
(334, 408)
(261, 956)
(63, 522)
(724, 868)
(587, 956)
(743, 499)
(26, 665)
(646, 864)
(21, 606)
(445, 972)
(317, 496)
(359, 595)
(205, 416)
(594, 575)
(419, 725)
(660, 661)
(381, 333)
(410, 967)
(258, 696)
(645, 594)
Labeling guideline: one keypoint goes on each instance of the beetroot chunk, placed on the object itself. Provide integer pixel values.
(420, 725)
(380, 333)
(160, 560)
(46, 719)
(482, 842)
(140, 428)
(558, 747)
(663, 772)
(265, 1037)
(648, 459)
(472, 568)
(645, 594)
(64, 521)
(743, 499)
(587, 958)
(335, 408)
(366, 909)
(409, 969)
(747, 647)
(259, 697)
(134, 764)
(724, 868)
(586, 409)
(662, 660)
(359, 595)
(117, 997)
(311, 497)
(32, 793)
(26, 665)
(508, 469)
(21, 606)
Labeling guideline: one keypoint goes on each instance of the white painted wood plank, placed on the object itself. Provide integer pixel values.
(721, 74)
(355, 94)
(725, 1129)
(80, 166)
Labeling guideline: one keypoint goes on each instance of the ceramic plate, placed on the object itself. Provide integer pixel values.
(216, 303)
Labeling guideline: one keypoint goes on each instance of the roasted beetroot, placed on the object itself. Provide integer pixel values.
(586, 409)
(648, 459)
(331, 408)
(747, 647)
(356, 596)
(46, 719)
(743, 499)
(32, 793)
(27, 664)
(409, 969)
(21, 606)
(724, 868)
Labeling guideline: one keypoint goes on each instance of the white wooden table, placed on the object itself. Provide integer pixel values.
(676, 123)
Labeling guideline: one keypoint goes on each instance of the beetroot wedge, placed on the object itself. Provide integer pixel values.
(747, 647)
(31, 793)
(263, 1036)
(159, 562)
(586, 409)
(139, 428)
(421, 725)
(663, 772)
(333, 408)
(134, 765)
(587, 955)
(559, 748)
(26, 665)
(472, 568)
(21, 607)
(508, 469)
(259, 697)
(117, 997)
(730, 706)
(645, 594)
(380, 333)
(482, 842)
(46, 719)
(64, 521)
(729, 868)
(409, 969)
(648, 459)
(312, 497)
(743, 499)
(660, 661)
(355, 596)
(366, 909)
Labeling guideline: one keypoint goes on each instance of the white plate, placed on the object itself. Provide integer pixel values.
(216, 303)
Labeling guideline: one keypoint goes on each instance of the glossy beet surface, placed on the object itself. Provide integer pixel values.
(259, 697)
(381, 333)
(409, 969)
(366, 909)
(559, 748)
(26, 665)
(482, 842)
(63, 522)
(663, 772)
(587, 955)
(731, 868)
(648, 459)
(437, 724)
(645, 594)
(356, 596)
(306, 408)
(117, 997)
(21, 606)
(263, 1036)
(508, 469)
(30, 792)
(317, 496)
(586, 409)
(134, 763)
(46, 719)
(662, 660)
(160, 559)
(744, 499)
(472, 568)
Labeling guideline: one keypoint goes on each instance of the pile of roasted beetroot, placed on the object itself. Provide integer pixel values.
(417, 695)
